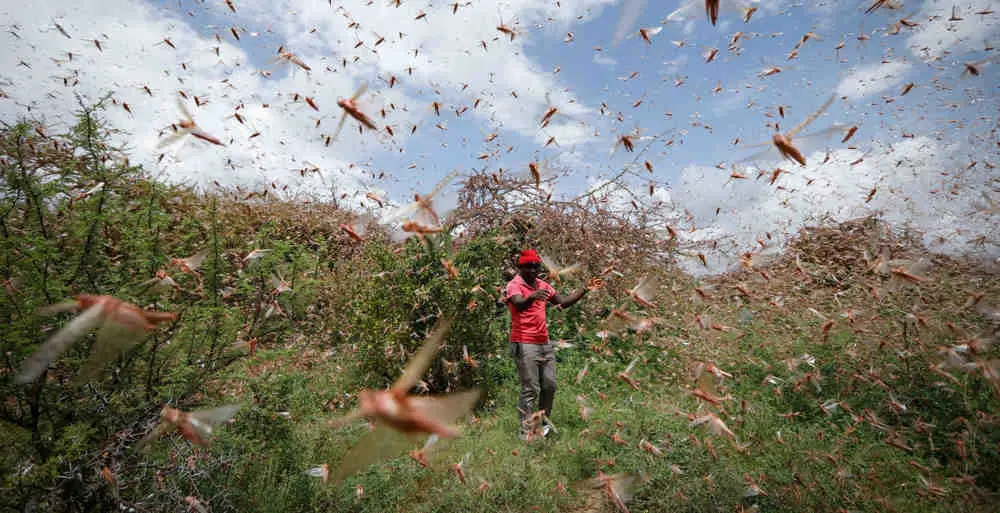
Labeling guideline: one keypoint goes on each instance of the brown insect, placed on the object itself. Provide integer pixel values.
(619, 488)
(504, 29)
(901, 272)
(650, 448)
(422, 218)
(783, 142)
(766, 72)
(535, 173)
(775, 174)
(187, 126)
(547, 117)
(397, 410)
(351, 232)
(62, 30)
(197, 426)
(449, 267)
(889, 4)
(644, 291)
(712, 10)
(626, 141)
(459, 468)
(647, 33)
(121, 323)
(289, 57)
(190, 264)
(351, 108)
(849, 134)
(975, 68)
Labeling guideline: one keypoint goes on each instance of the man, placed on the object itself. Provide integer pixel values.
(527, 296)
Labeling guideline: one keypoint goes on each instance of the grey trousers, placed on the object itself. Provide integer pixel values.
(536, 367)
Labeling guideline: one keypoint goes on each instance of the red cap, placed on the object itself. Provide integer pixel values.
(529, 256)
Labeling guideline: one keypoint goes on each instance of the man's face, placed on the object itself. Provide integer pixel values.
(530, 271)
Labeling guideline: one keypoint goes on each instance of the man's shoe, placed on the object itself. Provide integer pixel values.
(545, 430)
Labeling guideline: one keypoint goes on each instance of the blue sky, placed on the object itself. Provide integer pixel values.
(946, 118)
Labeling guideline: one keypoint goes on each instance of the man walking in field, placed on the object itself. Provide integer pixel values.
(527, 296)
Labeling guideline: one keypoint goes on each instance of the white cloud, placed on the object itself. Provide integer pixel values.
(443, 50)
(937, 37)
(676, 65)
(910, 190)
(451, 60)
(601, 59)
(869, 79)
(631, 10)
(133, 55)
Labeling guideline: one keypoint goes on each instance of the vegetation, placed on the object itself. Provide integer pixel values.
(853, 386)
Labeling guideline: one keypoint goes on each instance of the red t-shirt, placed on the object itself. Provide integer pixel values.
(528, 326)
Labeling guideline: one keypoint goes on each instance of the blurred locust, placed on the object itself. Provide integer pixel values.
(196, 426)
(394, 412)
(783, 142)
(121, 326)
(619, 488)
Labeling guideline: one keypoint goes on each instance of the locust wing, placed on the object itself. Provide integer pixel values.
(422, 360)
(205, 421)
(446, 409)
(113, 339)
(380, 444)
(812, 117)
(36, 364)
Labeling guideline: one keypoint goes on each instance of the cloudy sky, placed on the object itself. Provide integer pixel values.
(924, 158)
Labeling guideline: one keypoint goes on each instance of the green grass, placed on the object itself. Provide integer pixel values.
(823, 462)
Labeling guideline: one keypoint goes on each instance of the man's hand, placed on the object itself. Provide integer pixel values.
(540, 294)
(594, 284)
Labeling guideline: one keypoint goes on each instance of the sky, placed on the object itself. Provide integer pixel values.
(923, 159)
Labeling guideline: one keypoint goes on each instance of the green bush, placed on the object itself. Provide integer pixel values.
(405, 295)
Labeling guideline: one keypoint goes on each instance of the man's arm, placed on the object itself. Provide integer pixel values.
(522, 303)
(570, 300)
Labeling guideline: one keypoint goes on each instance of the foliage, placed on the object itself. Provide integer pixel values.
(409, 291)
